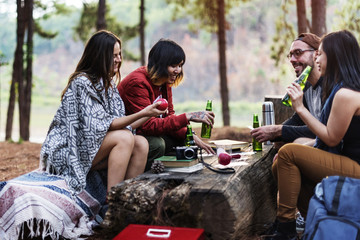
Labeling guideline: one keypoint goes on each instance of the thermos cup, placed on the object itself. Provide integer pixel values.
(268, 116)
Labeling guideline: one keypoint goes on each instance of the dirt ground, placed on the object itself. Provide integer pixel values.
(17, 159)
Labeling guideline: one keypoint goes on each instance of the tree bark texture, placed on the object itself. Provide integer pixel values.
(318, 13)
(142, 32)
(17, 67)
(26, 98)
(226, 206)
(301, 16)
(101, 22)
(224, 92)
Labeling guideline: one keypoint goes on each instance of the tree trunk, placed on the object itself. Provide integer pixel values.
(101, 22)
(226, 206)
(25, 117)
(224, 92)
(142, 32)
(318, 12)
(10, 112)
(17, 67)
(301, 16)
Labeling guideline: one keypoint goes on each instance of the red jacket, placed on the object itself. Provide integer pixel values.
(137, 92)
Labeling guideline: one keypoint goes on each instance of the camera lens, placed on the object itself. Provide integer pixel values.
(189, 153)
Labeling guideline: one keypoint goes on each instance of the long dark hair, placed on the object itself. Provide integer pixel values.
(97, 60)
(163, 54)
(343, 61)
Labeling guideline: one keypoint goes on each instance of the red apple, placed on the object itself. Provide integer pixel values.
(224, 158)
(163, 105)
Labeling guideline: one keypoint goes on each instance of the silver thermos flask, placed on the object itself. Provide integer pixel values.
(268, 116)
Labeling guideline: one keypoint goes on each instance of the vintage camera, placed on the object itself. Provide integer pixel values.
(185, 152)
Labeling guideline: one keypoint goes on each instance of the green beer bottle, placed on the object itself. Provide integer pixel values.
(286, 100)
(189, 138)
(206, 129)
(257, 146)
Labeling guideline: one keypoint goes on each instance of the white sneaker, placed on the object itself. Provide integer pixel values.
(300, 223)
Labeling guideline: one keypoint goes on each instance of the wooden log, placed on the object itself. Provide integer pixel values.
(281, 111)
(226, 206)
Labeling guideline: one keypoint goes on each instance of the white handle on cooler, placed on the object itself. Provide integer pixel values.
(158, 233)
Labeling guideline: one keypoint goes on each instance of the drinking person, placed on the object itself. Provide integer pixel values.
(301, 55)
(337, 148)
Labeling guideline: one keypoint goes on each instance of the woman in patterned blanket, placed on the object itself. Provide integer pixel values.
(90, 129)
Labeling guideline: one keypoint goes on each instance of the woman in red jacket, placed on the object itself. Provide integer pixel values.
(144, 85)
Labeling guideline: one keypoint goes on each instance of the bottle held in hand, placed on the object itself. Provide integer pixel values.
(257, 146)
(301, 80)
(206, 129)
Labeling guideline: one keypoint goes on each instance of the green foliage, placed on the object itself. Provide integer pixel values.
(2, 59)
(349, 17)
(42, 33)
(87, 26)
(45, 12)
(204, 11)
(51, 8)
(285, 34)
(248, 41)
(87, 22)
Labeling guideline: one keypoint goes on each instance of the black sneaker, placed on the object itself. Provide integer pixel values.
(281, 231)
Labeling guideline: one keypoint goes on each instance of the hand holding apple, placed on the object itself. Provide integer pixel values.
(163, 104)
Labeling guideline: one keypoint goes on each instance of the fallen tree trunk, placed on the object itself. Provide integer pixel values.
(226, 206)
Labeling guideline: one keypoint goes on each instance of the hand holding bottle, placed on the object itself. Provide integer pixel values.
(296, 94)
(206, 117)
(301, 80)
(205, 128)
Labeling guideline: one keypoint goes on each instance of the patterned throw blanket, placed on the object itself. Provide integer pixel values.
(78, 130)
(40, 204)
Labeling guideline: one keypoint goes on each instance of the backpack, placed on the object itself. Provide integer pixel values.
(334, 210)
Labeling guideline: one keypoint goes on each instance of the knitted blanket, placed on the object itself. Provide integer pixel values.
(40, 204)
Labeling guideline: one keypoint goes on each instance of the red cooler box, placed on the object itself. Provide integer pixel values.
(141, 232)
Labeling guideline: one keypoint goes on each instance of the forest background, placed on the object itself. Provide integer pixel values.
(251, 72)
